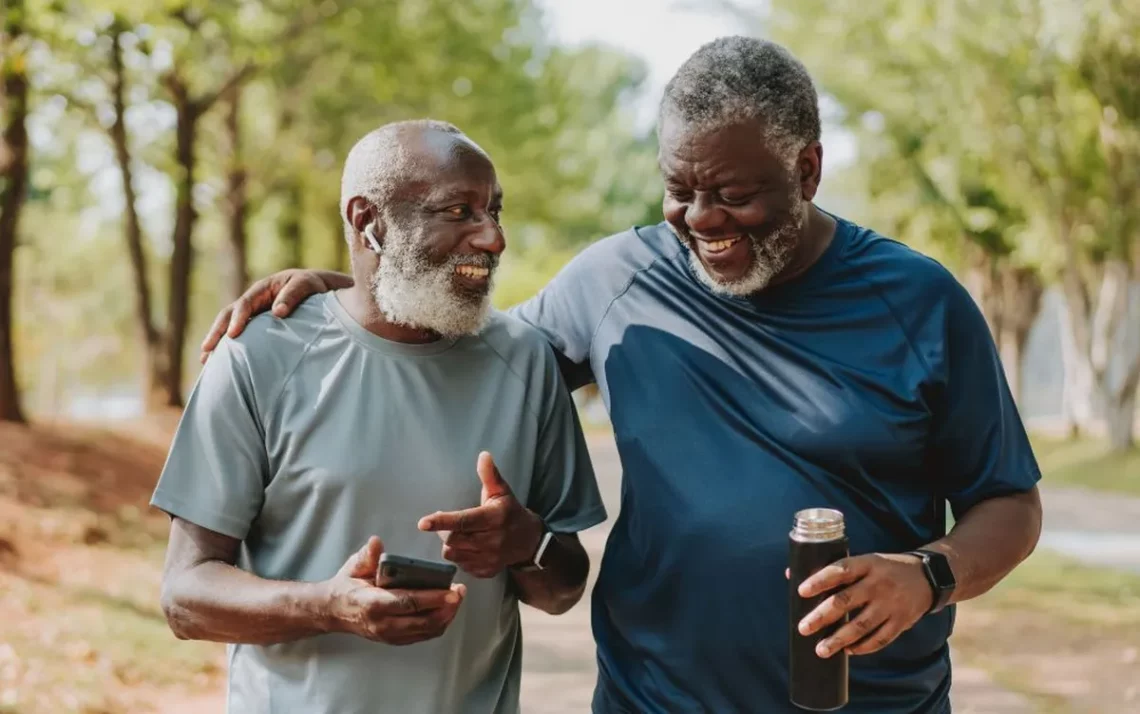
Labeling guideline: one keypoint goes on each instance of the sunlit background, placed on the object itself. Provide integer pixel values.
(1002, 137)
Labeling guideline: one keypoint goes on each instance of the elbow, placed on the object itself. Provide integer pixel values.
(559, 605)
(176, 612)
(563, 604)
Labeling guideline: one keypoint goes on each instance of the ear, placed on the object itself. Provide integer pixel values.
(362, 216)
(810, 169)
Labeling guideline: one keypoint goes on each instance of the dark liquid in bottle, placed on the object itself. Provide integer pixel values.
(817, 684)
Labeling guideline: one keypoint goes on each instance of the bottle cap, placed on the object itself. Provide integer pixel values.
(815, 525)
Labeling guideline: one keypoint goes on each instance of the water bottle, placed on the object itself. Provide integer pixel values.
(817, 540)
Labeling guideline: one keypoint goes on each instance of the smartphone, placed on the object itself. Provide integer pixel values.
(400, 572)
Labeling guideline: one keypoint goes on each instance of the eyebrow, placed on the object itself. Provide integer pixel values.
(436, 194)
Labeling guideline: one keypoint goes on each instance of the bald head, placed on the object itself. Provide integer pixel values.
(396, 155)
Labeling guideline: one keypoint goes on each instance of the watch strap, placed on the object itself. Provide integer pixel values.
(536, 562)
(940, 593)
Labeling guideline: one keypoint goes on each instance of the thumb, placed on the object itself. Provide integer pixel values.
(364, 562)
(493, 484)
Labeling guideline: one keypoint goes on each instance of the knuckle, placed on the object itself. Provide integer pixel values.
(411, 604)
(843, 598)
(862, 624)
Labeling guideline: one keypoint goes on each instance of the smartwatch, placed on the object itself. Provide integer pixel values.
(936, 566)
(538, 561)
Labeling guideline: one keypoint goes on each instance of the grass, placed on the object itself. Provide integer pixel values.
(82, 649)
(1064, 590)
(1054, 612)
(1089, 464)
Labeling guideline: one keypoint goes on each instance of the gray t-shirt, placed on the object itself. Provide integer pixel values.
(306, 435)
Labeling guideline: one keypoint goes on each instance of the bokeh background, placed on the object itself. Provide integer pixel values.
(158, 156)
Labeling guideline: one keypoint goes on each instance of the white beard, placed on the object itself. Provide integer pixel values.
(770, 255)
(412, 291)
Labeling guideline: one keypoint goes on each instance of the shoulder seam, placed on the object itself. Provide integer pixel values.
(891, 309)
(625, 289)
(301, 358)
(506, 362)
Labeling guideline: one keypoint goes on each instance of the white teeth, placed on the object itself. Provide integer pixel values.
(720, 246)
(472, 271)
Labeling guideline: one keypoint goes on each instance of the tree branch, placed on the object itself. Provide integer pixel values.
(203, 104)
(87, 108)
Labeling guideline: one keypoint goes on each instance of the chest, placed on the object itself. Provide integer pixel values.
(399, 442)
(834, 393)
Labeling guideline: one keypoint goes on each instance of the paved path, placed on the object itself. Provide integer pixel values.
(558, 661)
(1096, 528)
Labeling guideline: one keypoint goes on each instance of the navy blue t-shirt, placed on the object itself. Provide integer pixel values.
(869, 384)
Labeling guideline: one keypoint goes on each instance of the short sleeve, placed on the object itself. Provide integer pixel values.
(564, 491)
(980, 445)
(217, 466)
(566, 314)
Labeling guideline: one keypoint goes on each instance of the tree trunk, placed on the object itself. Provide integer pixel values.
(237, 198)
(1012, 355)
(188, 111)
(291, 224)
(1120, 418)
(181, 259)
(156, 366)
(13, 190)
(1101, 347)
(1021, 292)
(983, 283)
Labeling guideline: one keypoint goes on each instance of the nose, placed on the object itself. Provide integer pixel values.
(702, 216)
(490, 237)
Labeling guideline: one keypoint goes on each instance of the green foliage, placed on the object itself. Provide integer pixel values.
(318, 75)
(1004, 124)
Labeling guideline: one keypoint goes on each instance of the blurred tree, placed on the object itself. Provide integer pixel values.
(1007, 131)
(209, 198)
(934, 184)
(14, 43)
(190, 38)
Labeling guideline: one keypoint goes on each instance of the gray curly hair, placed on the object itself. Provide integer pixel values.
(737, 78)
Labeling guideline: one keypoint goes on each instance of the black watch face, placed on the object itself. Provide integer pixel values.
(940, 569)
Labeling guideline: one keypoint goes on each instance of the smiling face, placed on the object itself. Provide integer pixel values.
(441, 237)
(735, 202)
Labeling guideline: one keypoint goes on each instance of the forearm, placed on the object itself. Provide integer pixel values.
(560, 585)
(990, 540)
(218, 602)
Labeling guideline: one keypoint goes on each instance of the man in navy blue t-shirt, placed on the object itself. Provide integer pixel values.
(758, 356)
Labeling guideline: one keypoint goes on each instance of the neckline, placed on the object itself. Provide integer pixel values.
(377, 343)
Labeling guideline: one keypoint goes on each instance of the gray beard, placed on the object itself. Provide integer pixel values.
(770, 255)
(412, 291)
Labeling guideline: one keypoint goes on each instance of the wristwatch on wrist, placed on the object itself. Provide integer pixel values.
(936, 566)
(538, 562)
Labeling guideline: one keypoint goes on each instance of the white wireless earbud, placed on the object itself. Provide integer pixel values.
(370, 235)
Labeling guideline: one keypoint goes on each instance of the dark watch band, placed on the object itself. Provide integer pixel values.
(936, 567)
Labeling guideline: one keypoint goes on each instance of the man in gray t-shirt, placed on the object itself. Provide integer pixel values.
(371, 418)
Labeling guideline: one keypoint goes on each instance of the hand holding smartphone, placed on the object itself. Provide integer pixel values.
(400, 572)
